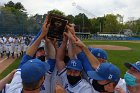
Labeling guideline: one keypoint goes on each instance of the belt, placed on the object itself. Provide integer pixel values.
(8, 45)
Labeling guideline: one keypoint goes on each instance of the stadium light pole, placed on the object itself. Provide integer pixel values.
(100, 27)
(84, 11)
(74, 4)
(83, 24)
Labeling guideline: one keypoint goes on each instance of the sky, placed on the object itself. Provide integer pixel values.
(129, 9)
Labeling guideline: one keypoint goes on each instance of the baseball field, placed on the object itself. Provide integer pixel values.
(116, 55)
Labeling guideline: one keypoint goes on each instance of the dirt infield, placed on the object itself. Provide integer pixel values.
(111, 47)
(4, 63)
(129, 41)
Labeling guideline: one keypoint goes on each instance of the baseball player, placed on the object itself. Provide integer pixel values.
(8, 48)
(1, 47)
(106, 76)
(11, 47)
(17, 46)
(70, 74)
(26, 79)
(22, 43)
(4, 44)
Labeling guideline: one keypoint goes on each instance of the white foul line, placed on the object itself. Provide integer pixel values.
(3, 60)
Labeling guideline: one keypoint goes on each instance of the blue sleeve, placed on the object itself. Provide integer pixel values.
(24, 59)
(35, 37)
(86, 65)
(51, 62)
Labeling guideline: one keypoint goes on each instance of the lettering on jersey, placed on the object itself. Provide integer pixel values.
(42, 88)
(73, 63)
(66, 87)
(31, 61)
(69, 91)
(98, 68)
(98, 54)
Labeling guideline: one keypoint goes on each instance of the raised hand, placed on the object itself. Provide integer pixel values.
(120, 90)
(79, 43)
(45, 27)
(71, 32)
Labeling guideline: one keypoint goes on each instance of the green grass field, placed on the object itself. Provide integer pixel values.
(119, 57)
(116, 57)
(13, 66)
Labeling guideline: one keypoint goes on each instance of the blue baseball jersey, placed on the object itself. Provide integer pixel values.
(16, 84)
(88, 69)
(86, 64)
(81, 87)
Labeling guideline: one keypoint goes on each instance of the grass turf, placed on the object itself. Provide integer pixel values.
(117, 57)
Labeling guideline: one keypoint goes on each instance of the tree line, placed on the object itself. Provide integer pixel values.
(15, 19)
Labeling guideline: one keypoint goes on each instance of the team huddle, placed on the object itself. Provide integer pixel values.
(68, 67)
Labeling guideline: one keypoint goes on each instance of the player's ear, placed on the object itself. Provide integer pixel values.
(42, 79)
(81, 73)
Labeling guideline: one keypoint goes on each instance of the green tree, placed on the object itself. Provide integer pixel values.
(111, 24)
(13, 18)
(71, 18)
(58, 12)
(17, 5)
(95, 25)
(9, 4)
(82, 21)
(138, 26)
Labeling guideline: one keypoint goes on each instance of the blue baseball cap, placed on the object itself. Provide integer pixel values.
(98, 52)
(40, 48)
(106, 71)
(33, 70)
(75, 64)
(135, 65)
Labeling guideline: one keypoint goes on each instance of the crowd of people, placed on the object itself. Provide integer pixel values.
(13, 46)
(70, 67)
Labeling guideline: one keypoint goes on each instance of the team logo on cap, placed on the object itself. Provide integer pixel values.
(99, 54)
(31, 61)
(110, 76)
(73, 63)
(97, 69)
(138, 63)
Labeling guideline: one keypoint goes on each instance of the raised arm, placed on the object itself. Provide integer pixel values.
(6, 79)
(33, 48)
(91, 58)
(60, 55)
(71, 52)
(51, 53)
(50, 48)
(77, 50)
